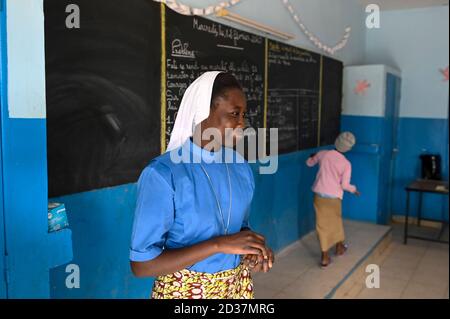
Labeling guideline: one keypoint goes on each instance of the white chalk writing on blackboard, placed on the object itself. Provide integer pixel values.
(182, 72)
(221, 31)
(285, 59)
(284, 55)
(229, 47)
(181, 50)
(293, 111)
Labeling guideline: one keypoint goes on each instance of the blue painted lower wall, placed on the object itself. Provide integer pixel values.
(3, 288)
(282, 209)
(365, 174)
(415, 137)
(101, 223)
(367, 129)
(27, 250)
(418, 136)
(25, 207)
(366, 160)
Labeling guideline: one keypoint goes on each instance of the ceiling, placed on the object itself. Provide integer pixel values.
(404, 4)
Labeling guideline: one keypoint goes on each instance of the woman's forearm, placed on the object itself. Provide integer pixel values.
(171, 261)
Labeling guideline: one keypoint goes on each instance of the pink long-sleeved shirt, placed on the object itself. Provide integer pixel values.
(334, 174)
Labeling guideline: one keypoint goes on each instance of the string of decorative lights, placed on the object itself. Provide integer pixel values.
(187, 10)
(314, 39)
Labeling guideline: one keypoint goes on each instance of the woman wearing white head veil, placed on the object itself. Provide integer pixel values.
(191, 226)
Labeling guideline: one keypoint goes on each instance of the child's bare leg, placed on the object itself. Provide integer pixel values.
(325, 258)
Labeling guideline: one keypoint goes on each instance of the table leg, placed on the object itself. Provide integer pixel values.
(444, 223)
(419, 214)
(405, 240)
(441, 233)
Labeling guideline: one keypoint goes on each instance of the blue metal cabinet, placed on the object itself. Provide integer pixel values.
(372, 115)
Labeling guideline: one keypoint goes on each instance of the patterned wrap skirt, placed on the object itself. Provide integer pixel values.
(230, 284)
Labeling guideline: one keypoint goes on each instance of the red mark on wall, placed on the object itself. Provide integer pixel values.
(362, 87)
(445, 74)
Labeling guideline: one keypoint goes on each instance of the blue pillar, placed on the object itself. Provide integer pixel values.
(23, 159)
(3, 290)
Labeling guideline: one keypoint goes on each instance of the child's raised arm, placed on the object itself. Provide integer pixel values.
(314, 159)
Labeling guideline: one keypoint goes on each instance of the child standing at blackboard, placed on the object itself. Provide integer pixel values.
(191, 221)
(332, 180)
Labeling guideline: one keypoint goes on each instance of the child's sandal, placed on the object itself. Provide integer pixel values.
(325, 266)
(345, 251)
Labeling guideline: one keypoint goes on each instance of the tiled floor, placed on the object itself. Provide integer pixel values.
(418, 270)
(296, 273)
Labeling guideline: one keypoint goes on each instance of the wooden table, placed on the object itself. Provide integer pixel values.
(422, 186)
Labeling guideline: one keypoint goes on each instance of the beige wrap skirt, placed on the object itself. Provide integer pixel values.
(329, 225)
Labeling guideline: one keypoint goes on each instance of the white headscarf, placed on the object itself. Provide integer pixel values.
(345, 142)
(195, 108)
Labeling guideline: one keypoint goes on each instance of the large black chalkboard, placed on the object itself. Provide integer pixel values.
(104, 87)
(330, 123)
(195, 45)
(103, 93)
(293, 101)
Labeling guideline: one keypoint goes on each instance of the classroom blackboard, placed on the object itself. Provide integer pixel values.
(195, 45)
(330, 118)
(114, 87)
(103, 93)
(293, 96)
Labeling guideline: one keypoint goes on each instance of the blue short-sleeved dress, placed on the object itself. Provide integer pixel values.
(177, 208)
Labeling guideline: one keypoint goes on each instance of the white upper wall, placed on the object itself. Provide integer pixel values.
(327, 19)
(416, 42)
(373, 101)
(26, 59)
(404, 4)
